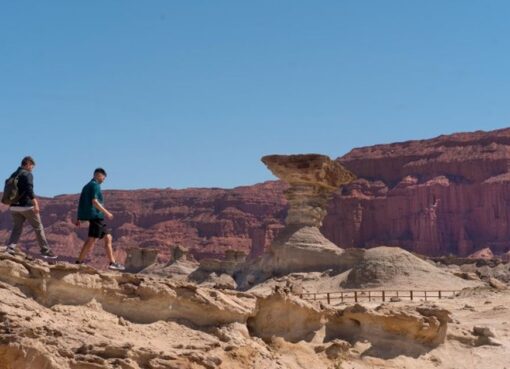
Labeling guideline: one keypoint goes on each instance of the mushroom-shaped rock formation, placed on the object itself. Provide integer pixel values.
(312, 180)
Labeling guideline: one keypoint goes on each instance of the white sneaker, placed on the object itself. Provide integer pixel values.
(116, 266)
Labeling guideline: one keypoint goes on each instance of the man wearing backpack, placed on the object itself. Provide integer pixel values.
(91, 209)
(19, 195)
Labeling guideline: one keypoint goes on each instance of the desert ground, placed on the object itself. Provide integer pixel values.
(64, 316)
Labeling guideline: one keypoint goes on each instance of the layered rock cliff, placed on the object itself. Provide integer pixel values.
(447, 195)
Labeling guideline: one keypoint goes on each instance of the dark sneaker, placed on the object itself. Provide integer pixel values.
(116, 266)
(48, 254)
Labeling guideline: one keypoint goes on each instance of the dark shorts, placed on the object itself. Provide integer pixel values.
(97, 228)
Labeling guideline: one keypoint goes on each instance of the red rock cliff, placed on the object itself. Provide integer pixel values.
(447, 195)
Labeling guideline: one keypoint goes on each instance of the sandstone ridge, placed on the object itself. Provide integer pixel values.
(62, 316)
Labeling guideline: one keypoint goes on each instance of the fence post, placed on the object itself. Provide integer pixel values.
(440, 295)
(411, 295)
(369, 296)
(384, 296)
(397, 292)
(425, 295)
(342, 296)
(329, 299)
(355, 296)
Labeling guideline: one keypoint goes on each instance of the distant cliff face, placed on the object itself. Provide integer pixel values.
(208, 221)
(447, 195)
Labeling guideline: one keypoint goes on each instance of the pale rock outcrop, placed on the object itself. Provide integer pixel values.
(180, 266)
(138, 259)
(232, 262)
(392, 266)
(485, 253)
(136, 298)
(497, 284)
(73, 317)
(391, 331)
(285, 316)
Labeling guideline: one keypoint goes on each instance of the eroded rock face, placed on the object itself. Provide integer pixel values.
(425, 327)
(67, 317)
(441, 196)
(391, 331)
(290, 318)
(136, 298)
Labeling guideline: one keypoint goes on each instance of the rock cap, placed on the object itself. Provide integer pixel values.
(312, 169)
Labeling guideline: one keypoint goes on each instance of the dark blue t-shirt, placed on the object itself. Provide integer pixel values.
(86, 210)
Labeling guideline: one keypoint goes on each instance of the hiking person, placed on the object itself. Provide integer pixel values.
(23, 206)
(91, 209)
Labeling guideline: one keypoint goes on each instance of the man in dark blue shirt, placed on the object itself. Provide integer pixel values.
(26, 208)
(91, 209)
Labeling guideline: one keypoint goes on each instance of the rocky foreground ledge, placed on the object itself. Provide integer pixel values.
(66, 316)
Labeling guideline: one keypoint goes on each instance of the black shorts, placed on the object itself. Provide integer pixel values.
(97, 228)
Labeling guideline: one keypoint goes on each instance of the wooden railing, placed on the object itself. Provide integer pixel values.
(378, 295)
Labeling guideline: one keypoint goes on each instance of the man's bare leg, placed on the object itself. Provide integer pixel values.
(108, 247)
(87, 246)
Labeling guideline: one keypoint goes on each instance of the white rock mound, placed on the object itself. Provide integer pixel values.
(393, 267)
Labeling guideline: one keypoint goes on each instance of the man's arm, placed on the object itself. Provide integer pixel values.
(102, 209)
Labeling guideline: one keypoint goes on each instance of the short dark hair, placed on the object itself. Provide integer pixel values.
(27, 160)
(100, 171)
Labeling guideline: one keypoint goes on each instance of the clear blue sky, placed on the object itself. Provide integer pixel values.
(192, 93)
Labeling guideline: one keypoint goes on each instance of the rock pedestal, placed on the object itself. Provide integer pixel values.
(180, 253)
(312, 180)
(140, 258)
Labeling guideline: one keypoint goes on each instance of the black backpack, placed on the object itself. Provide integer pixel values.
(11, 192)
